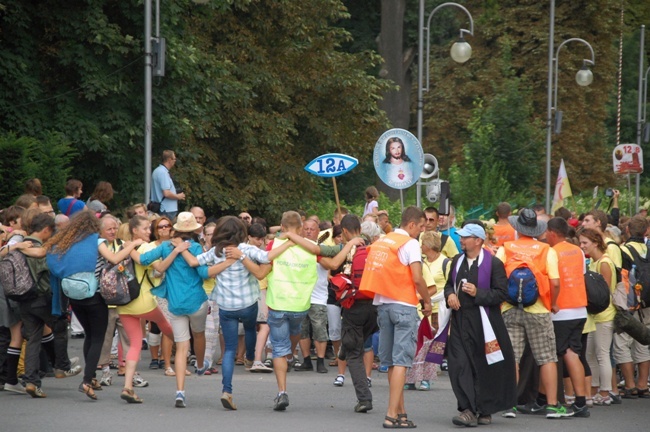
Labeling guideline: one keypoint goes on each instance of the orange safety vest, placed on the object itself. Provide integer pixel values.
(385, 274)
(573, 293)
(534, 252)
(503, 233)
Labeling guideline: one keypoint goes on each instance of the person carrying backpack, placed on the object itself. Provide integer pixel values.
(529, 320)
(628, 352)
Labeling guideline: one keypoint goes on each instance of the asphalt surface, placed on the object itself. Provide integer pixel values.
(315, 405)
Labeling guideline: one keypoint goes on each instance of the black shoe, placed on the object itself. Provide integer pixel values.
(281, 402)
(145, 345)
(363, 406)
(580, 412)
(77, 336)
(320, 366)
(533, 408)
(304, 366)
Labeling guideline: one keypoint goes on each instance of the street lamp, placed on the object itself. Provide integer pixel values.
(584, 77)
(460, 52)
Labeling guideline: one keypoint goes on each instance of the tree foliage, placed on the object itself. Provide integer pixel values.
(254, 89)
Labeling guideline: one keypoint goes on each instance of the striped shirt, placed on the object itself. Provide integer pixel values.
(236, 287)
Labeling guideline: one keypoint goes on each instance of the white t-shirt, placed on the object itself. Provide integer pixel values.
(319, 294)
(408, 253)
(369, 208)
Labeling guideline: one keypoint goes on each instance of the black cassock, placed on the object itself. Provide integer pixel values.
(482, 388)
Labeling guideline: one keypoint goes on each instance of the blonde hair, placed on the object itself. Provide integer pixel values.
(124, 233)
(431, 240)
(291, 219)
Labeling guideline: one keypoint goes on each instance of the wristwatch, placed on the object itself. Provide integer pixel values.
(242, 257)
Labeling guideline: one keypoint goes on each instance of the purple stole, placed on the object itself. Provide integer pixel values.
(437, 351)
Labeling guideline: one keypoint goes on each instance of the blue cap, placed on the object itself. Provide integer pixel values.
(472, 230)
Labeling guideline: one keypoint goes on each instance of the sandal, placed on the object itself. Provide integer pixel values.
(238, 362)
(334, 362)
(643, 393)
(212, 370)
(403, 418)
(87, 389)
(130, 396)
(397, 423)
(95, 384)
(629, 393)
(170, 372)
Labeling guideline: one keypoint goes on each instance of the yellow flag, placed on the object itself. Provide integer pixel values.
(562, 188)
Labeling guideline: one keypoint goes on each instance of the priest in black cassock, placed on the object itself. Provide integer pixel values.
(481, 360)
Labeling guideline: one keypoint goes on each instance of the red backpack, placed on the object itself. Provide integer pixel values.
(346, 287)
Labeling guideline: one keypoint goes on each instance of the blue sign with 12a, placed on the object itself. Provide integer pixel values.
(331, 165)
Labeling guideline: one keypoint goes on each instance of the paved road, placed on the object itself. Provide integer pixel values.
(315, 405)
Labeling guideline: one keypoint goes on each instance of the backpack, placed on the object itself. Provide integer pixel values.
(523, 290)
(641, 275)
(79, 286)
(346, 287)
(598, 295)
(16, 278)
(117, 283)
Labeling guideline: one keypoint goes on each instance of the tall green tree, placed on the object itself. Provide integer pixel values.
(254, 89)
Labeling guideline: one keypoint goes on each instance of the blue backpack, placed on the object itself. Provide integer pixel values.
(523, 290)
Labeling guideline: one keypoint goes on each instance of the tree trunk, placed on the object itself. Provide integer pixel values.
(396, 103)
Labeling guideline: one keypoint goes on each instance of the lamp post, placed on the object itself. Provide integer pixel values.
(584, 77)
(148, 72)
(641, 111)
(460, 52)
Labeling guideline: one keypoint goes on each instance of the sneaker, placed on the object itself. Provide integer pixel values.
(281, 402)
(601, 400)
(511, 413)
(339, 380)
(192, 360)
(35, 392)
(259, 367)
(138, 381)
(616, 399)
(466, 418)
(161, 364)
(180, 400)
(569, 399)
(558, 411)
(154, 364)
(226, 401)
(60, 373)
(409, 386)
(106, 379)
(485, 419)
(268, 363)
(363, 406)
(589, 402)
(15, 388)
(145, 345)
(444, 366)
(580, 412)
(77, 336)
(73, 361)
(424, 386)
(304, 366)
(369, 382)
(206, 365)
(383, 369)
(248, 364)
(321, 368)
(533, 408)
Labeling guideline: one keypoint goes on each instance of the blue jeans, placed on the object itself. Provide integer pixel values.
(282, 326)
(229, 321)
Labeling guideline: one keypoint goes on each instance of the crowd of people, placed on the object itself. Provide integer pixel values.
(275, 298)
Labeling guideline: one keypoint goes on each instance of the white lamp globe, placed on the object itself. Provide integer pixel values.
(584, 77)
(461, 51)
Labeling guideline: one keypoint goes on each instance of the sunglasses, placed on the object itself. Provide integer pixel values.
(164, 226)
(431, 219)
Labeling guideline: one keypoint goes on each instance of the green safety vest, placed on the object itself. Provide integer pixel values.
(292, 279)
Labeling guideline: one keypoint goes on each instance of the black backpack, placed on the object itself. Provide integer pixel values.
(598, 294)
(642, 275)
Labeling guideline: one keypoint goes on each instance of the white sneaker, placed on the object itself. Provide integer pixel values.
(15, 388)
(106, 379)
(339, 380)
(601, 400)
(138, 381)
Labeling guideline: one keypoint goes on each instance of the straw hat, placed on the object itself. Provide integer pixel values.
(186, 222)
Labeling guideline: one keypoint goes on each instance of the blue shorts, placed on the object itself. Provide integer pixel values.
(283, 325)
(398, 325)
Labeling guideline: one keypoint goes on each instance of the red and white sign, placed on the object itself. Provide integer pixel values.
(628, 159)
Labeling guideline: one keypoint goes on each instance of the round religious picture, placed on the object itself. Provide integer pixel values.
(398, 158)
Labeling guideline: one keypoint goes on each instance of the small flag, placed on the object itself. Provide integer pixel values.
(562, 188)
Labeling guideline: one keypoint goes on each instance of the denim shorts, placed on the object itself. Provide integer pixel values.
(283, 325)
(398, 326)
